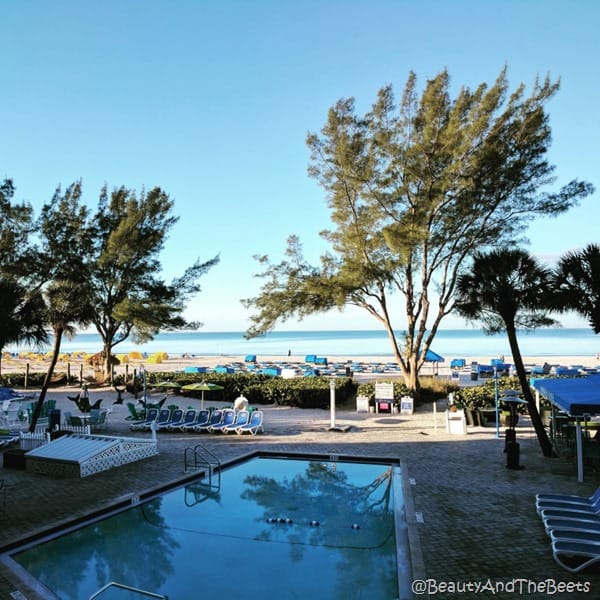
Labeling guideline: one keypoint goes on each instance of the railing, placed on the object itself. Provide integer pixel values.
(203, 458)
(123, 586)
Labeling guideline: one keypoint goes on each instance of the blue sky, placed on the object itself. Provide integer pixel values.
(212, 101)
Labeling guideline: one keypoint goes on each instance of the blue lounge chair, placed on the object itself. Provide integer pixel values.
(571, 498)
(584, 506)
(590, 524)
(188, 417)
(174, 417)
(202, 417)
(227, 420)
(215, 418)
(243, 416)
(253, 426)
(150, 416)
(163, 417)
(575, 556)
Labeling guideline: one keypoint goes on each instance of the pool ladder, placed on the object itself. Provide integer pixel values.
(123, 586)
(200, 457)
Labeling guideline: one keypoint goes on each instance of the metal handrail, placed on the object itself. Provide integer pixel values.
(129, 588)
(201, 460)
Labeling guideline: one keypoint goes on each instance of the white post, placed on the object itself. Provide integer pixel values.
(435, 416)
(579, 450)
(332, 401)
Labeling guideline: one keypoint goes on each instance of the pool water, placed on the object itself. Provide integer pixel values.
(273, 528)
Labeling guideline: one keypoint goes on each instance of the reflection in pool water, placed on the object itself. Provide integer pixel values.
(275, 528)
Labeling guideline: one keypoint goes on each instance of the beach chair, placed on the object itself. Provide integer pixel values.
(98, 419)
(243, 417)
(584, 505)
(163, 417)
(253, 426)
(188, 417)
(572, 511)
(175, 417)
(570, 498)
(134, 415)
(575, 556)
(150, 416)
(589, 525)
(227, 420)
(214, 418)
(202, 417)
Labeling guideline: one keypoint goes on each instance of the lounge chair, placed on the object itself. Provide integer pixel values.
(227, 420)
(134, 415)
(557, 501)
(214, 418)
(163, 417)
(202, 417)
(586, 524)
(175, 417)
(568, 511)
(575, 535)
(561, 505)
(242, 418)
(575, 556)
(188, 417)
(150, 416)
(253, 426)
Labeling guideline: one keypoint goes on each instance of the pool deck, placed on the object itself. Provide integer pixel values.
(478, 518)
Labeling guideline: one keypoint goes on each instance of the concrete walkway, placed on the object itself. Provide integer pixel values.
(475, 519)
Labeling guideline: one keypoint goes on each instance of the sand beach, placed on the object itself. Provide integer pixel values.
(76, 363)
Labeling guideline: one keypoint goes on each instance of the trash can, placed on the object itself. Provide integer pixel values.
(474, 371)
(54, 419)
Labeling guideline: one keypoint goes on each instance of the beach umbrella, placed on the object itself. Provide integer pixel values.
(166, 385)
(203, 386)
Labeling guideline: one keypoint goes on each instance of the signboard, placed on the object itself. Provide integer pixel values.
(384, 391)
(406, 405)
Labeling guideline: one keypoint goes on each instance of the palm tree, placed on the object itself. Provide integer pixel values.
(507, 290)
(576, 284)
(21, 315)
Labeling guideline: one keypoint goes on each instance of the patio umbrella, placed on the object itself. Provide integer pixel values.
(166, 385)
(203, 386)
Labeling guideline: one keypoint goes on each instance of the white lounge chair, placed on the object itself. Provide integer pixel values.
(575, 556)
(567, 510)
(253, 426)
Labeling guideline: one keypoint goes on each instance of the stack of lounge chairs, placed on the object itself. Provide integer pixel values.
(573, 524)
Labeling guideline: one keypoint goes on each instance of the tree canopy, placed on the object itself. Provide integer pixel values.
(414, 190)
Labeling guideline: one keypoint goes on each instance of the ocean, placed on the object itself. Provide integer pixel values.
(450, 343)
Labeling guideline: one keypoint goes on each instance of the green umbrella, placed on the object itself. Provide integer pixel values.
(203, 386)
(166, 385)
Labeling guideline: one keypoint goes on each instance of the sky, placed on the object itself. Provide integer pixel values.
(212, 100)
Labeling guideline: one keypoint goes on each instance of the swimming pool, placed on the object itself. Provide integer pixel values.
(278, 527)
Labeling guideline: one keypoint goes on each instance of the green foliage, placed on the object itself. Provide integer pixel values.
(484, 395)
(301, 392)
(414, 190)
(576, 284)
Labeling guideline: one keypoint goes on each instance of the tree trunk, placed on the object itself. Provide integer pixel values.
(42, 397)
(536, 420)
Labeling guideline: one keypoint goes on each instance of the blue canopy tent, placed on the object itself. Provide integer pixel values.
(578, 398)
(433, 357)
